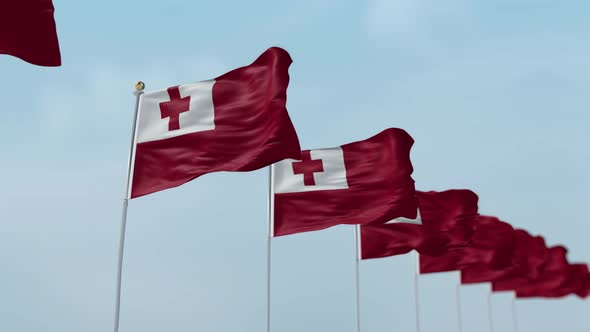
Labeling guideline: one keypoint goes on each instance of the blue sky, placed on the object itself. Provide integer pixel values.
(494, 93)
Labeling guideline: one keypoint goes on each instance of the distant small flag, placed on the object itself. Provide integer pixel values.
(27, 31)
(392, 239)
(444, 218)
(520, 255)
(480, 241)
(449, 213)
(236, 122)
(366, 182)
(573, 280)
(584, 290)
(554, 266)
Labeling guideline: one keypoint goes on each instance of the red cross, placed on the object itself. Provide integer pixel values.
(307, 167)
(172, 109)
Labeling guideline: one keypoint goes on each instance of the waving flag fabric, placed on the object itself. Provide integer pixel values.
(236, 122)
(444, 219)
(521, 260)
(366, 182)
(555, 264)
(484, 241)
(27, 31)
(451, 215)
(569, 281)
(450, 210)
(529, 260)
(584, 289)
(390, 239)
(556, 278)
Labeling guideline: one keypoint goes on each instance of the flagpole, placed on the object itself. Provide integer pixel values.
(514, 313)
(356, 278)
(490, 311)
(458, 293)
(268, 242)
(139, 86)
(416, 289)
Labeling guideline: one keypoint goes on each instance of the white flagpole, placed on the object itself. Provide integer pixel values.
(514, 313)
(416, 289)
(139, 86)
(459, 317)
(357, 240)
(490, 311)
(268, 241)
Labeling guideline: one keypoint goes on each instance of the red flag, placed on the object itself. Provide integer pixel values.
(559, 283)
(556, 278)
(522, 259)
(454, 259)
(492, 241)
(470, 247)
(27, 31)
(584, 290)
(555, 263)
(448, 210)
(443, 215)
(358, 183)
(392, 239)
(586, 286)
(452, 216)
(237, 122)
(580, 280)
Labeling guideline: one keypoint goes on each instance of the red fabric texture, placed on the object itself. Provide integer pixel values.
(451, 216)
(521, 259)
(444, 216)
(553, 259)
(27, 31)
(573, 280)
(481, 240)
(378, 241)
(555, 262)
(556, 278)
(252, 130)
(584, 290)
(380, 189)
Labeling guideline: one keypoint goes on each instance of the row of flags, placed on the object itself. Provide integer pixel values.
(239, 122)
(452, 236)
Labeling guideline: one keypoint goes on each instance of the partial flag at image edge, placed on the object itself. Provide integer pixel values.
(28, 32)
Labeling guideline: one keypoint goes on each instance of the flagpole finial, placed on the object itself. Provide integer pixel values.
(139, 86)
